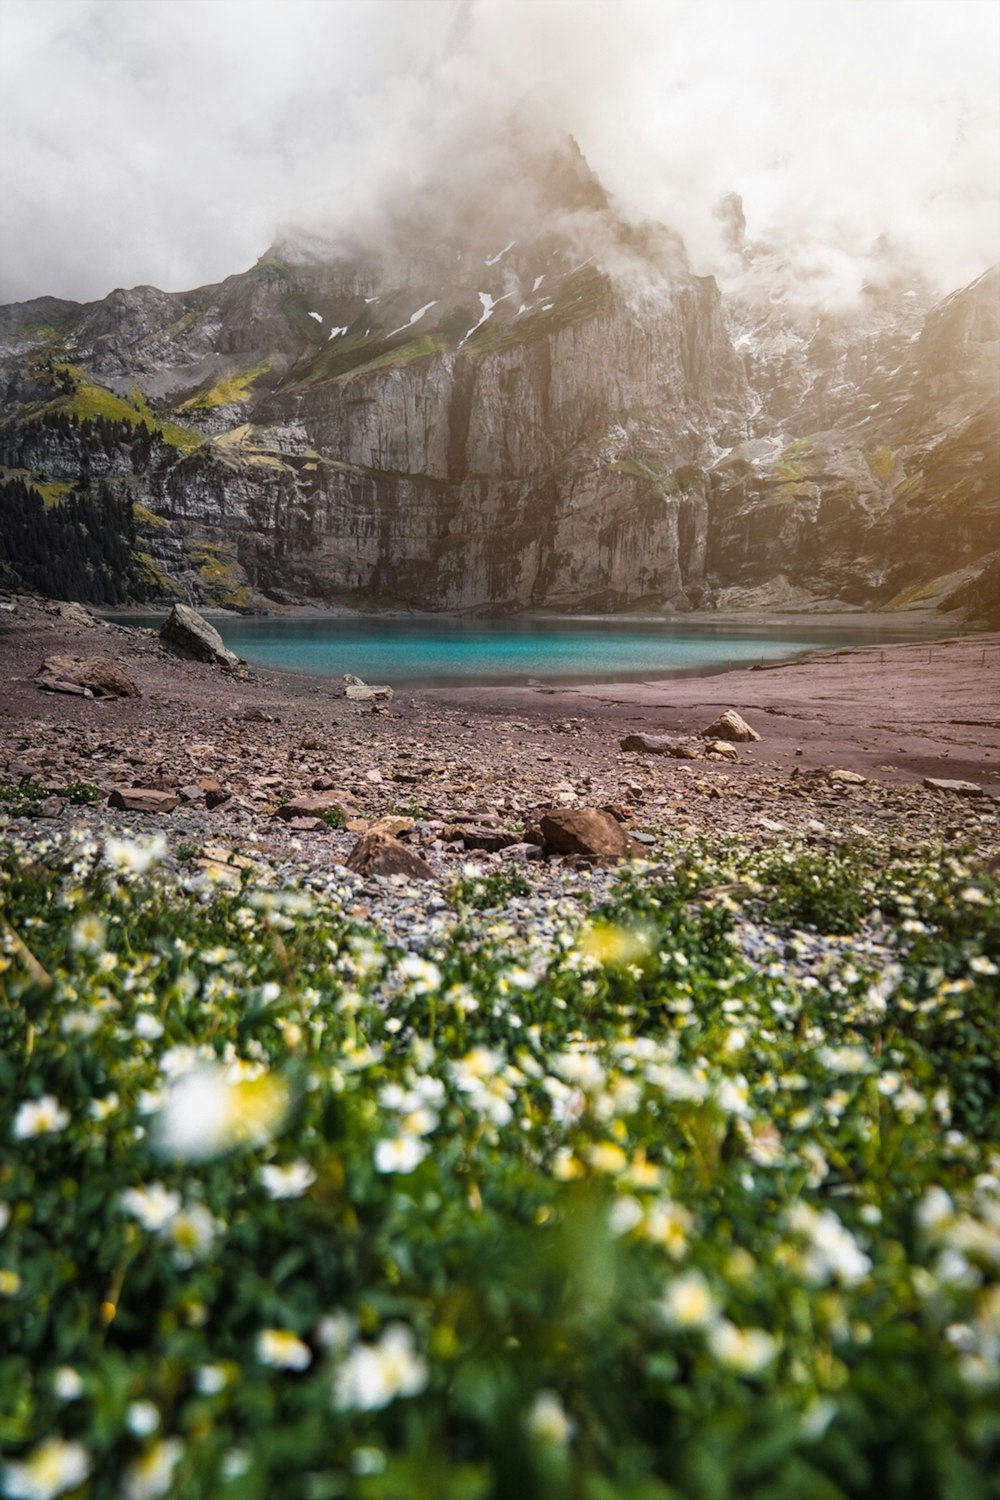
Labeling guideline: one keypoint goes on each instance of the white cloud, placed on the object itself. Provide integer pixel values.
(163, 142)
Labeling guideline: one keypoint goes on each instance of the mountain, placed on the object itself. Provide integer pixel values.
(516, 398)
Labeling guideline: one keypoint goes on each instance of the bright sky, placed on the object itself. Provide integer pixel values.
(165, 141)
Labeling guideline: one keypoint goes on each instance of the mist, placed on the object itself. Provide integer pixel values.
(150, 142)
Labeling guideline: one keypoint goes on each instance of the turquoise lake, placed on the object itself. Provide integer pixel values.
(426, 651)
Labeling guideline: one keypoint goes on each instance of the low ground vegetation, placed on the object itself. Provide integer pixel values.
(692, 1191)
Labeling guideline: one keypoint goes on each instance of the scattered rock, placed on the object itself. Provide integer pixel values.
(724, 749)
(848, 778)
(91, 677)
(308, 825)
(74, 613)
(143, 799)
(730, 726)
(362, 692)
(648, 744)
(391, 825)
(521, 853)
(314, 805)
(187, 632)
(380, 854)
(957, 788)
(583, 830)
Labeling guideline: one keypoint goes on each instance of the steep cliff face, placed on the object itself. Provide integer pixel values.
(533, 404)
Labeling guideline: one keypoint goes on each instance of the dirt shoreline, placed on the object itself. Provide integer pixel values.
(894, 714)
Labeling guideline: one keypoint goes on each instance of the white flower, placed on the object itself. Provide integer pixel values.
(625, 1214)
(833, 1253)
(66, 1384)
(283, 1349)
(209, 1380)
(689, 1302)
(372, 1375)
(49, 1470)
(88, 935)
(44, 1116)
(423, 975)
(191, 1232)
(547, 1420)
(290, 1181)
(207, 1112)
(101, 1108)
(980, 964)
(844, 1059)
(745, 1350)
(934, 1210)
(148, 1027)
(141, 1418)
(400, 1155)
(153, 1205)
(124, 855)
(152, 1475)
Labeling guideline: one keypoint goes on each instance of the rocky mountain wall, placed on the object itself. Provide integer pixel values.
(493, 427)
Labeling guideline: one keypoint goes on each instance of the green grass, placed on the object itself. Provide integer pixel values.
(660, 1197)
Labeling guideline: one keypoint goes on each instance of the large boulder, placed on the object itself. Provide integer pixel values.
(90, 677)
(380, 854)
(730, 726)
(587, 831)
(186, 631)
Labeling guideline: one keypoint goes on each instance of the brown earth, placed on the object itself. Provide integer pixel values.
(489, 757)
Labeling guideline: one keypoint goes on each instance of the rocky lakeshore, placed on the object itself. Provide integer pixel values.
(900, 741)
(561, 1086)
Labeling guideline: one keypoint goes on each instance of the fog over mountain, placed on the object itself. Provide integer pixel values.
(168, 144)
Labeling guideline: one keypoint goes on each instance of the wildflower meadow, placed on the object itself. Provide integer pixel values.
(680, 1182)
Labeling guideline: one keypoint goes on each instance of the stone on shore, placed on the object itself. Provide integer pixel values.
(730, 726)
(315, 805)
(187, 632)
(380, 854)
(957, 788)
(89, 676)
(363, 692)
(586, 831)
(143, 799)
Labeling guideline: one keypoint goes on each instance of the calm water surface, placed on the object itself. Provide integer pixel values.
(426, 651)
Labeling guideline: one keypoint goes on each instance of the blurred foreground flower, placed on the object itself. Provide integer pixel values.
(152, 1475)
(290, 1181)
(547, 1420)
(375, 1374)
(52, 1468)
(614, 945)
(283, 1349)
(42, 1116)
(206, 1113)
(124, 854)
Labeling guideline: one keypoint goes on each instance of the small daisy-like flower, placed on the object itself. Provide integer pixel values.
(66, 1384)
(152, 1475)
(153, 1205)
(372, 1375)
(126, 856)
(980, 964)
(88, 935)
(745, 1350)
(44, 1116)
(51, 1469)
(400, 1155)
(191, 1232)
(548, 1422)
(283, 1349)
(289, 1181)
(689, 1302)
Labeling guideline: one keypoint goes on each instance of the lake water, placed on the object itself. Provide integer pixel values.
(421, 650)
